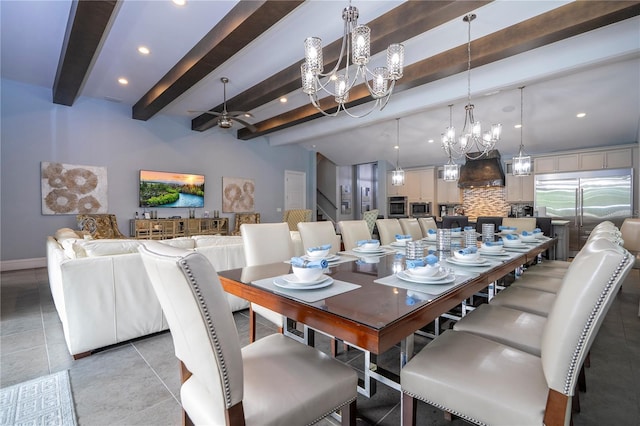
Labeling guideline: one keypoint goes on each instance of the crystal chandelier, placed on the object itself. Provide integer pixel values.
(451, 169)
(521, 163)
(355, 45)
(397, 177)
(472, 143)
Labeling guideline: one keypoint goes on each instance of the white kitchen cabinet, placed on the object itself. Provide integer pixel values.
(394, 191)
(585, 160)
(446, 192)
(556, 163)
(518, 188)
(412, 184)
(421, 184)
(613, 159)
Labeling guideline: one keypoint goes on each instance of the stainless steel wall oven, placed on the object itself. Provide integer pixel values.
(398, 207)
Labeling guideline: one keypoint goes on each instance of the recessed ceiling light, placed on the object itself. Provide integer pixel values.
(517, 126)
(430, 141)
(283, 100)
(144, 50)
(180, 2)
(123, 81)
(396, 147)
(581, 114)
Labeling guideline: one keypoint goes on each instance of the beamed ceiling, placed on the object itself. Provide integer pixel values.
(511, 41)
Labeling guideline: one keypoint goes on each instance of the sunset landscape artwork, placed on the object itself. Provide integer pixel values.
(171, 189)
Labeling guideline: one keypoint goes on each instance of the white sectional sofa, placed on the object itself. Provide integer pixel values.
(101, 290)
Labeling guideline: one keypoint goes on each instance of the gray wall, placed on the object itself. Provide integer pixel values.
(102, 133)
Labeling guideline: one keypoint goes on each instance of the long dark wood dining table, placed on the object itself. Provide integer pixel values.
(373, 316)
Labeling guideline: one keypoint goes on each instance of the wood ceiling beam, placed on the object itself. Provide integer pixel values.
(246, 21)
(87, 25)
(402, 23)
(559, 24)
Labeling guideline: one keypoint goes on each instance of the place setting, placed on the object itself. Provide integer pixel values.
(323, 253)
(469, 256)
(426, 275)
(490, 248)
(401, 241)
(369, 248)
(309, 281)
(512, 242)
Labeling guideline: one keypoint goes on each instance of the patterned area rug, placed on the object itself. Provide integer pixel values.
(43, 401)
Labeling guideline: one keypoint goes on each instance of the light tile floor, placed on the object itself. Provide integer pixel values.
(137, 383)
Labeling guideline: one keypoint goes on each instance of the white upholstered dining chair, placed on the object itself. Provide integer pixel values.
(520, 223)
(353, 231)
(388, 229)
(410, 226)
(314, 234)
(427, 223)
(274, 381)
(266, 243)
(533, 389)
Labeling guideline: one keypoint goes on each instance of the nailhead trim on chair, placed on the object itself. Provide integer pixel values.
(329, 412)
(581, 341)
(443, 408)
(212, 331)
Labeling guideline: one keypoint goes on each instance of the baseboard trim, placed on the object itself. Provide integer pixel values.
(14, 265)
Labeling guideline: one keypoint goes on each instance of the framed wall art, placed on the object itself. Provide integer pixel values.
(237, 195)
(73, 189)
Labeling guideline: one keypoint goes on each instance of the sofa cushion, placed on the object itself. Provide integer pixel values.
(105, 247)
(215, 240)
(180, 242)
(65, 234)
(67, 245)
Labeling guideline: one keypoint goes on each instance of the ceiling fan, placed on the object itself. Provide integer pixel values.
(226, 118)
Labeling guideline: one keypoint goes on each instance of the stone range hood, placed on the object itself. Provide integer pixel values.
(486, 171)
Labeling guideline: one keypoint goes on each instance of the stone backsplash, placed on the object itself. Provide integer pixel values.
(490, 201)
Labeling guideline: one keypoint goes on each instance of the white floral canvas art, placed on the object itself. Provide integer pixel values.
(237, 195)
(73, 189)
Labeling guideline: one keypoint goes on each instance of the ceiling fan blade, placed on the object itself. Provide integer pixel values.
(217, 114)
(249, 126)
(239, 113)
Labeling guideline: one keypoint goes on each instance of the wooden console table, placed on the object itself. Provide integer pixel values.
(162, 229)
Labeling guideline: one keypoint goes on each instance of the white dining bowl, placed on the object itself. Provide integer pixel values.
(527, 238)
(317, 254)
(508, 231)
(370, 245)
(492, 248)
(425, 271)
(307, 275)
(466, 256)
(403, 240)
(511, 243)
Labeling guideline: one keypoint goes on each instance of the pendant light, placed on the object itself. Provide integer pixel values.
(397, 177)
(521, 163)
(356, 50)
(472, 143)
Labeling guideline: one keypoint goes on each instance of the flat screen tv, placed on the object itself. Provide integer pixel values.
(169, 189)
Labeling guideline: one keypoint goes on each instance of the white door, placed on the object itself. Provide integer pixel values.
(295, 194)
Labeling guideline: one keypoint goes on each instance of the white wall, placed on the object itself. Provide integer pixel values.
(102, 133)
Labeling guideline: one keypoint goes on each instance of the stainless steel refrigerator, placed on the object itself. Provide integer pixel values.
(585, 199)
